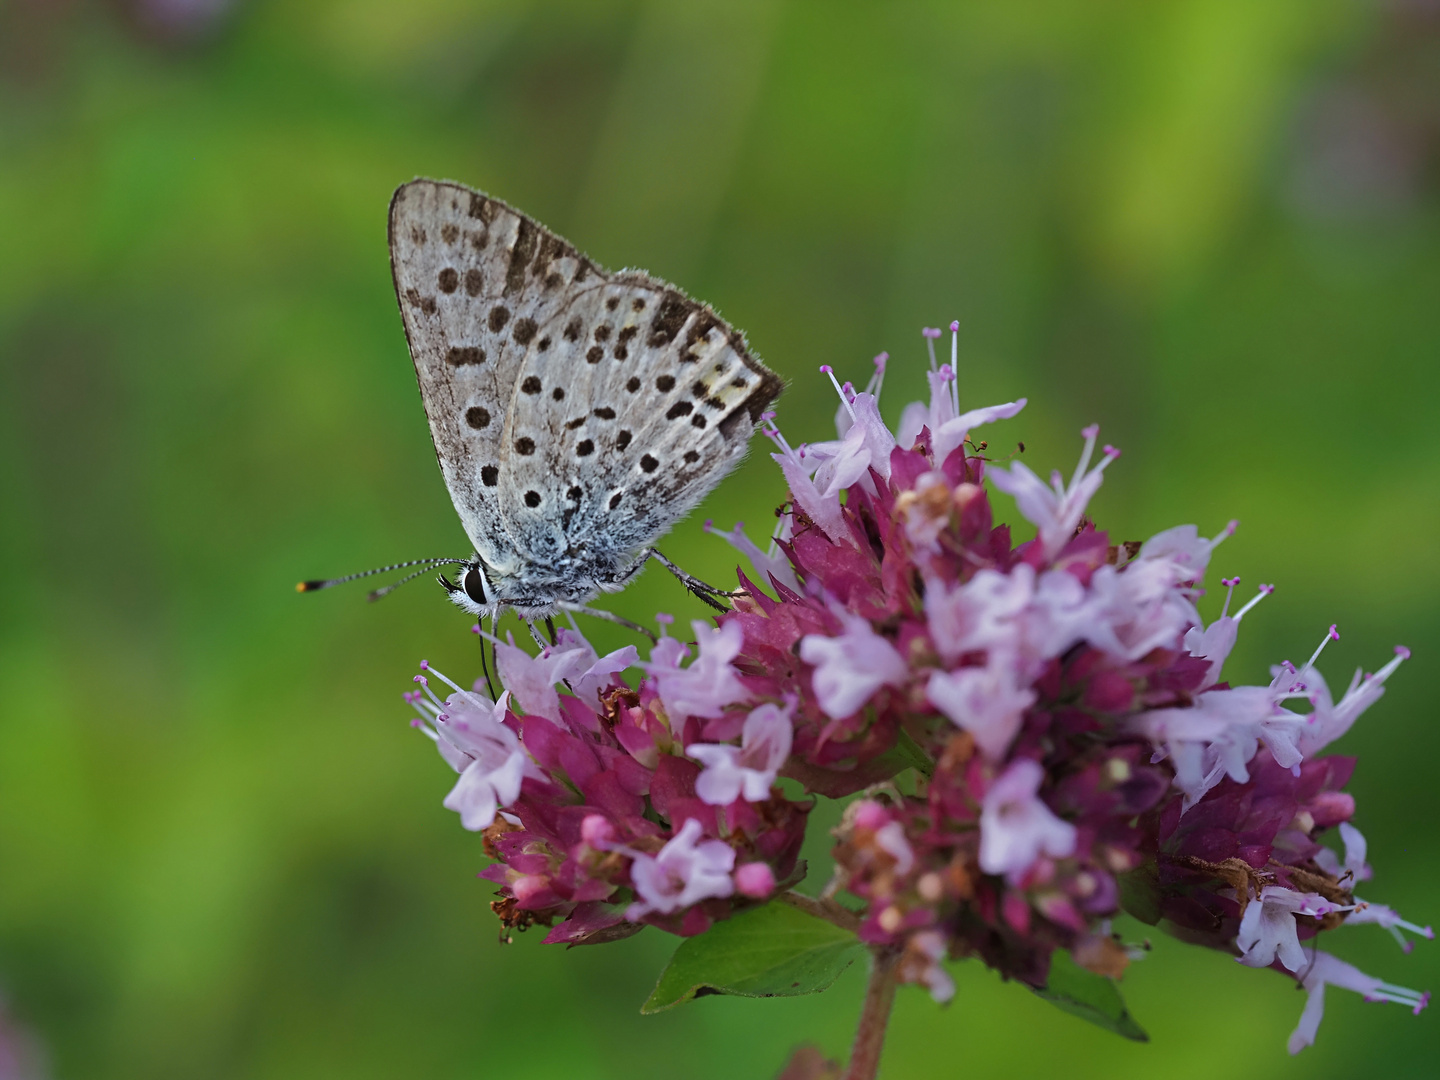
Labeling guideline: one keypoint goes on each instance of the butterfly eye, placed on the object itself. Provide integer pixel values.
(475, 586)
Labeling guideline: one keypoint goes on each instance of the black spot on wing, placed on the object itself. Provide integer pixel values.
(461, 355)
(527, 238)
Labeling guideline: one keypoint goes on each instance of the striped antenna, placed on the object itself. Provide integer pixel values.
(425, 564)
(385, 590)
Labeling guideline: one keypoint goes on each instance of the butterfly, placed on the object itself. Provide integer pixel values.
(576, 413)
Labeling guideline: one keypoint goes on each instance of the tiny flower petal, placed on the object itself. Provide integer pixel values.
(1016, 827)
(681, 874)
(750, 768)
(849, 668)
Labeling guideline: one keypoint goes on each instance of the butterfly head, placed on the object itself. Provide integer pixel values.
(472, 590)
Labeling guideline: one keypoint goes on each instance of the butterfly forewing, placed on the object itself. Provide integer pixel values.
(576, 413)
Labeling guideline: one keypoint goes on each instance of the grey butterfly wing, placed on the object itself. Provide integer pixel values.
(576, 413)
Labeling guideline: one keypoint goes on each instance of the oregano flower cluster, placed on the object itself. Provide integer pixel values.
(1039, 734)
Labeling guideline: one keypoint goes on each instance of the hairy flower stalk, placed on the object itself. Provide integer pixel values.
(1057, 704)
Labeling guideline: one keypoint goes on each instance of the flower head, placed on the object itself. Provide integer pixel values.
(1075, 750)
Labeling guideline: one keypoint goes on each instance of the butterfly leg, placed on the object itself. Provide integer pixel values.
(485, 667)
(705, 592)
(535, 634)
(609, 616)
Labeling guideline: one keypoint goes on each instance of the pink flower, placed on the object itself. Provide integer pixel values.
(1215, 641)
(822, 509)
(1355, 868)
(750, 768)
(1016, 827)
(1324, 970)
(849, 668)
(683, 873)
(929, 946)
(984, 613)
(948, 426)
(532, 679)
(985, 701)
(755, 880)
(1267, 929)
(1055, 510)
(707, 687)
(770, 563)
(1390, 919)
(865, 446)
(468, 732)
(1219, 734)
(1332, 720)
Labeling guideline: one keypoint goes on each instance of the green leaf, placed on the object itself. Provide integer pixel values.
(1089, 996)
(770, 951)
(1140, 893)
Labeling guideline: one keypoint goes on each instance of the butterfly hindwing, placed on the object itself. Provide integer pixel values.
(576, 413)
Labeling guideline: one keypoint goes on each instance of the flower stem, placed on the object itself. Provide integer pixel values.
(829, 910)
(874, 1016)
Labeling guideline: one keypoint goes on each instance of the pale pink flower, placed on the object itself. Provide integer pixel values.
(601, 674)
(1324, 970)
(708, 686)
(929, 945)
(850, 667)
(948, 425)
(1267, 929)
(865, 445)
(681, 874)
(769, 563)
(1016, 827)
(985, 701)
(1330, 720)
(468, 731)
(1055, 510)
(822, 509)
(1354, 865)
(1214, 642)
(750, 768)
(984, 613)
(890, 838)
(532, 679)
(926, 520)
(1219, 734)
(1390, 919)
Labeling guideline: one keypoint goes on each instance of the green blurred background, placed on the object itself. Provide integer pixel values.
(1209, 225)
